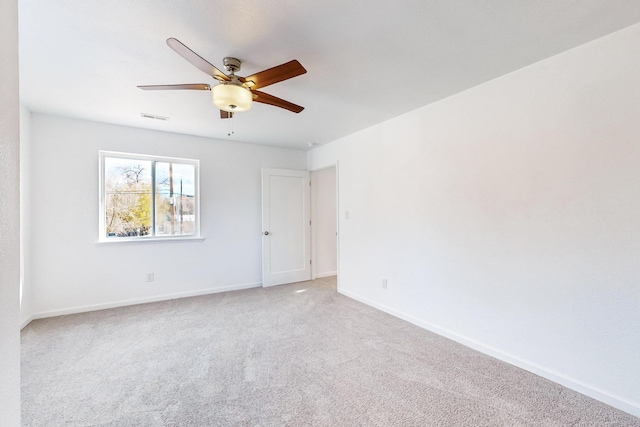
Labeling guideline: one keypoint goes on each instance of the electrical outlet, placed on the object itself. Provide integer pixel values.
(149, 277)
(384, 283)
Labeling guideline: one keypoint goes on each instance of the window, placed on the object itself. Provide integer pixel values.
(146, 197)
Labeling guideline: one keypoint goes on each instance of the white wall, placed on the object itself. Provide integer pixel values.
(323, 222)
(69, 272)
(508, 217)
(9, 217)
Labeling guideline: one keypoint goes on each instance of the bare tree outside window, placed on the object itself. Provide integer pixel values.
(128, 197)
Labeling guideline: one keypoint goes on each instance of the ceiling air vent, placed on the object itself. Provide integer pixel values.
(153, 116)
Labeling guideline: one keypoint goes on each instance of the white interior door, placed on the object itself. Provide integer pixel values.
(286, 248)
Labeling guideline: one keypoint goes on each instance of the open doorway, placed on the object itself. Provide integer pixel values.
(324, 230)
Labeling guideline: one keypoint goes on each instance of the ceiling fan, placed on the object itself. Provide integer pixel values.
(234, 93)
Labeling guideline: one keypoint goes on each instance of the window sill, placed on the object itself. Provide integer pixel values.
(134, 241)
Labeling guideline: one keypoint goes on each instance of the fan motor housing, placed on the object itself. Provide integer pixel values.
(232, 64)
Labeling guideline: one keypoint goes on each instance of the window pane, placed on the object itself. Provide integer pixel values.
(127, 197)
(175, 199)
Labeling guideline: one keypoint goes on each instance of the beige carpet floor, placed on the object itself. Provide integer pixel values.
(292, 355)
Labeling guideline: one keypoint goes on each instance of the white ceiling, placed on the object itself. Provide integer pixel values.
(367, 61)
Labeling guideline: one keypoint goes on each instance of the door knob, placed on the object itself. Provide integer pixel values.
(266, 233)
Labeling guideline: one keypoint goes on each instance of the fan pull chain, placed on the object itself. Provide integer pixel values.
(231, 131)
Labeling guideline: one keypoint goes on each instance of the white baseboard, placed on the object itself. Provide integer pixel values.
(124, 303)
(326, 274)
(26, 321)
(611, 399)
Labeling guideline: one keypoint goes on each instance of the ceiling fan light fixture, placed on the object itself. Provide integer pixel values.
(231, 97)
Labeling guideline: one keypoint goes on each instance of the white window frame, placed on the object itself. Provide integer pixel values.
(102, 236)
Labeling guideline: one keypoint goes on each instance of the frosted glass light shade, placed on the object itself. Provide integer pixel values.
(232, 98)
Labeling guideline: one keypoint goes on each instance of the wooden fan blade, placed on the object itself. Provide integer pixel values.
(265, 98)
(200, 63)
(190, 86)
(275, 75)
(225, 114)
